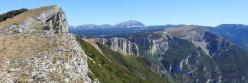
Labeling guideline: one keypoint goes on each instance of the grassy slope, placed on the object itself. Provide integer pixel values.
(23, 16)
(112, 67)
(11, 14)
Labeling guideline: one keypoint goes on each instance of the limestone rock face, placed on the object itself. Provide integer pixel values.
(121, 45)
(186, 53)
(35, 46)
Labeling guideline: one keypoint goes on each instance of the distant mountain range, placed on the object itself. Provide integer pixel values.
(130, 24)
(236, 33)
(126, 24)
(183, 53)
(92, 30)
(35, 46)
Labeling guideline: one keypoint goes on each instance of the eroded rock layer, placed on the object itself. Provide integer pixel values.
(35, 46)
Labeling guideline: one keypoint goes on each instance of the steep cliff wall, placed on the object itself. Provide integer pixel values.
(121, 45)
(35, 46)
(189, 54)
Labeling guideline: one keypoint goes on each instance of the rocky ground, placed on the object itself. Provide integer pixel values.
(36, 47)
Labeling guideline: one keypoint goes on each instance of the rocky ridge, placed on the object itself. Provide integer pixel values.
(36, 47)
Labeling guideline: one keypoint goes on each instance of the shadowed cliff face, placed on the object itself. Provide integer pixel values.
(236, 33)
(188, 54)
(35, 46)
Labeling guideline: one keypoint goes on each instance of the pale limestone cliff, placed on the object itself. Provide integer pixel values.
(35, 46)
(155, 47)
(121, 45)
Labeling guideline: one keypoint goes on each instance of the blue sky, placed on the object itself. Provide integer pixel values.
(150, 12)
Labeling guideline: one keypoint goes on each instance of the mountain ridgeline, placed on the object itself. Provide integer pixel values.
(112, 67)
(35, 46)
(236, 33)
(11, 14)
(38, 46)
(185, 53)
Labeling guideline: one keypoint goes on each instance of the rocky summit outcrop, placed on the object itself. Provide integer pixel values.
(35, 46)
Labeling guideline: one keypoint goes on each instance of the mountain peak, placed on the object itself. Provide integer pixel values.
(130, 24)
(36, 44)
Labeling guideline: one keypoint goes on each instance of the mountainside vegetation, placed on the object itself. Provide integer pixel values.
(112, 67)
(190, 54)
(11, 14)
(36, 46)
(235, 33)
